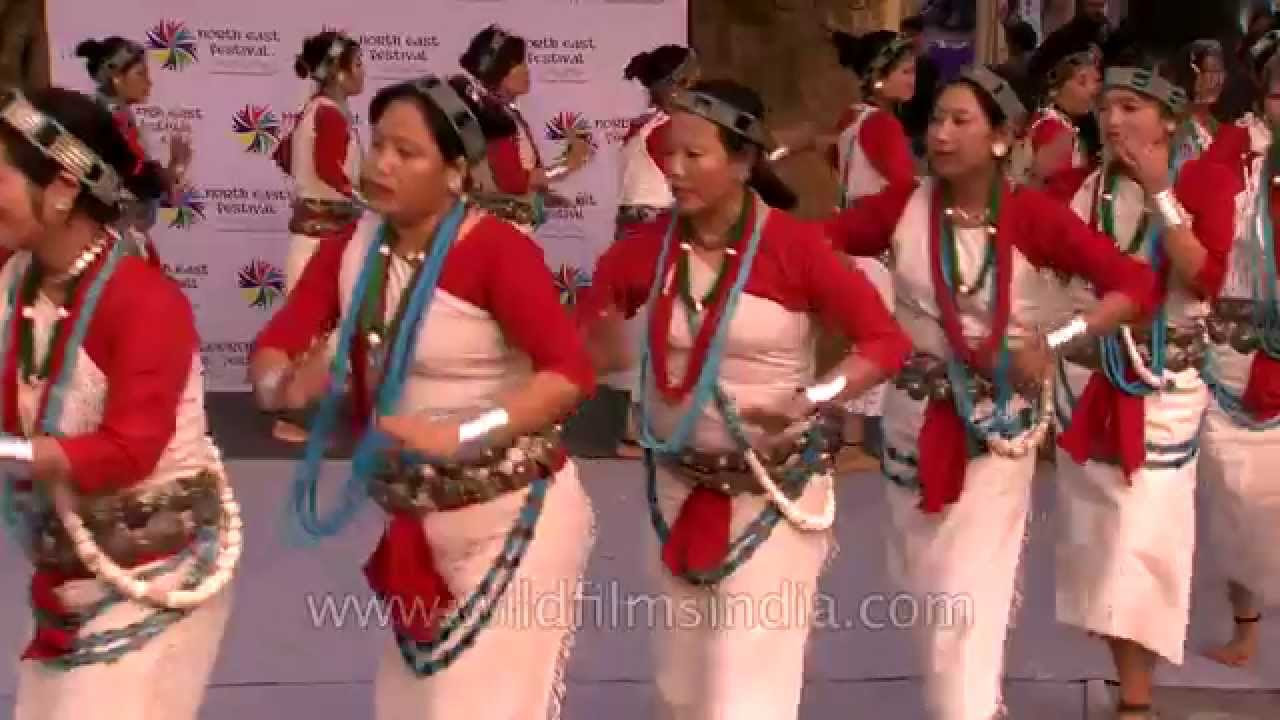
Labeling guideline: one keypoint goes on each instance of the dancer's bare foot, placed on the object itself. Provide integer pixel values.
(1243, 646)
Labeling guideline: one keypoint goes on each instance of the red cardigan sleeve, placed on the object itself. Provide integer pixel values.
(656, 144)
(885, 143)
(866, 228)
(1207, 190)
(313, 307)
(330, 150)
(1050, 235)
(509, 173)
(845, 299)
(520, 293)
(143, 339)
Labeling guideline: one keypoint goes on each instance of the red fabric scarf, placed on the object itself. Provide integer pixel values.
(943, 443)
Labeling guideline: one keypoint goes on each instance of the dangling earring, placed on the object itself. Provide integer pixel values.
(1171, 127)
(455, 184)
(879, 85)
(999, 148)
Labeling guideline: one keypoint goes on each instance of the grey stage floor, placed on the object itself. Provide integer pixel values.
(277, 662)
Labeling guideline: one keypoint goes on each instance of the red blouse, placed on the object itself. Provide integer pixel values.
(883, 140)
(793, 267)
(494, 266)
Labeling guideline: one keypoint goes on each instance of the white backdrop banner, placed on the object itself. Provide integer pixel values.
(223, 72)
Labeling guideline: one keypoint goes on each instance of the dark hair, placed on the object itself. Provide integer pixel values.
(1195, 53)
(856, 52)
(315, 50)
(1021, 35)
(488, 66)
(654, 66)
(772, 190)
(995, 115)
(90, 123)
(912, 23)
(97, 52)
(494, 122)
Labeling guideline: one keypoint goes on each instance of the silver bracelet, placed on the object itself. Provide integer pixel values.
(476, 432)
(268, 386)
(1067, 333)
(778, 153)
(557, 171)
(1170, 209)
(827, 391)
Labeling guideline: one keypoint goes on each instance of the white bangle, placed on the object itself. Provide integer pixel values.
(480, 427)
(825, 392)
(1170, 209)
(269, 385)
(555, 172)
(778, 153)
(1065, 334)
(17, 455)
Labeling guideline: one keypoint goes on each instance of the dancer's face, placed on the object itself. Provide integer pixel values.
(1078, 94)
(1271, 102)
(702, 171)
(900, 84)
(351, 79)
(1126, 114)
(1210, 79)
(517, 82)
(961, 135)
(134, 84)
(27, 210)
(406, 178)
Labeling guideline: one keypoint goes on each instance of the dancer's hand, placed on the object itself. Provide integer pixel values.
(179, 153)
(1149, 163)
(434, 439)
(777, 420)
(1032, 363)
(307, 380)
(579, 152)
(607, 341)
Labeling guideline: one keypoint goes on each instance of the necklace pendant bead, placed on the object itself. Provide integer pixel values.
(964, 288)
(731, 251)
(385, 250)
(697, 306)
(63, 312)
(28, 312)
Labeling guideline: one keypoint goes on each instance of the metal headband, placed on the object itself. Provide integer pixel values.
(686, 69)
(490, 55)
(460, 117)
(122, 58)
(1064, 67)
(885, 56)
(65, 149)
(1207, 45)
(723, 114)
(1148, 83)
(1265, 46)
(999, 90)
(320, 73)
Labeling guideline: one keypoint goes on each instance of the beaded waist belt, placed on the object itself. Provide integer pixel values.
(1231, 322)
(420, 488)
(130, 527)
(1185, 349)
(924, 377)
(508, 207)
(729, 473)
(633, 214)
(322, 217)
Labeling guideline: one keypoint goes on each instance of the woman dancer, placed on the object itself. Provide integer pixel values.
(1202, 73)
(118, 67)
(515, 183)
(461, 354)
(1132, 405)
(735, 292)
(1242, 434)
(870, 152)
(322, 155)
(112, 485)
(968, 250)
(1052, 141)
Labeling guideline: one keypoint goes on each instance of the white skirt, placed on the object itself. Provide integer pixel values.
(958, 567)
(515, 669)
(1243, 489)
(1124, 550)
(736, 650)
(165, 679)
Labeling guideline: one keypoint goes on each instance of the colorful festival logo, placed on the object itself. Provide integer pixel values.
(258, 128)
(182, 207)
(172, 44)
(567, 124)
(570, 280)
(261, 284)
